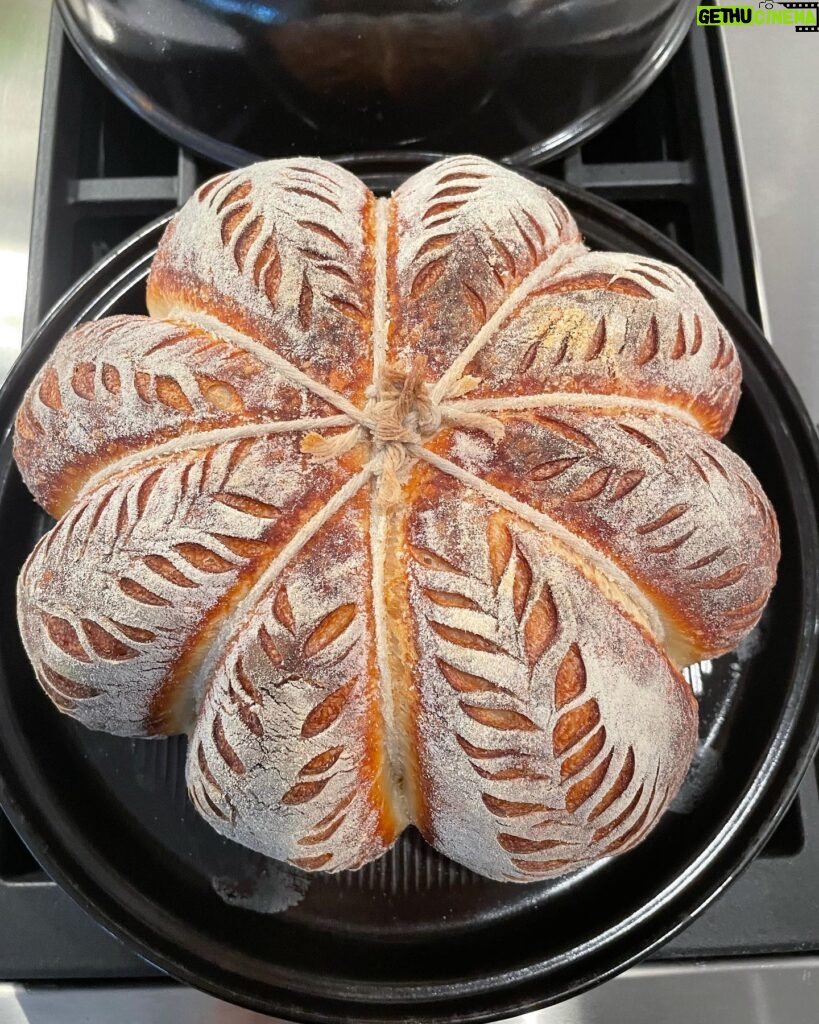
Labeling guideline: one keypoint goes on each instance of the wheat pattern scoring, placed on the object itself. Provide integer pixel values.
(570, 757)
(405, 510)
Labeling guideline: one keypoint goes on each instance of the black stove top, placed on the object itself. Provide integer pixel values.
(670, 159)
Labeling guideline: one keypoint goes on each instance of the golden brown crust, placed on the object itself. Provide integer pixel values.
(614, 324)
(291, 721)
(551, 727)
(125, 384)
(466, 235)
(160, 551)
(680, 514)
(280, 251)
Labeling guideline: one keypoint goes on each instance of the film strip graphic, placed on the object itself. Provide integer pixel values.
(802, 7)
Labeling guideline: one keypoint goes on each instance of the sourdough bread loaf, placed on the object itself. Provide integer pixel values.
(406, 511)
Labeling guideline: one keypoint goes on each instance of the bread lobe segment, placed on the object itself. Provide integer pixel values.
(302, 288)
(678, 514)
(581, 729)
(310, 777)
(615, 324)
(158, 561)
(458, 262)
(144, 384)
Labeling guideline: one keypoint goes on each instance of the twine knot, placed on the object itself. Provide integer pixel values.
(400, 407)
(401, 414)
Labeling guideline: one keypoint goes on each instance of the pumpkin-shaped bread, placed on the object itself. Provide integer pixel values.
(406, 510)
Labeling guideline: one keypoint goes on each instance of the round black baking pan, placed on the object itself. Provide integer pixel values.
(414, 936)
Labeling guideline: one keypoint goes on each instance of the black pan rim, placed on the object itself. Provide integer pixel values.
(764, 802)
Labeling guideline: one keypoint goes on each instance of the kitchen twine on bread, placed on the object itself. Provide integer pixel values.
(400, 411)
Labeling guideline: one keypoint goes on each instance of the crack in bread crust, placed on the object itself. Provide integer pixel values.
(563, 399)
(398, 779)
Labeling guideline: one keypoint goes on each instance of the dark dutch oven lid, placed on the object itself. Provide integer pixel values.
(236, 80)
(414, 936)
